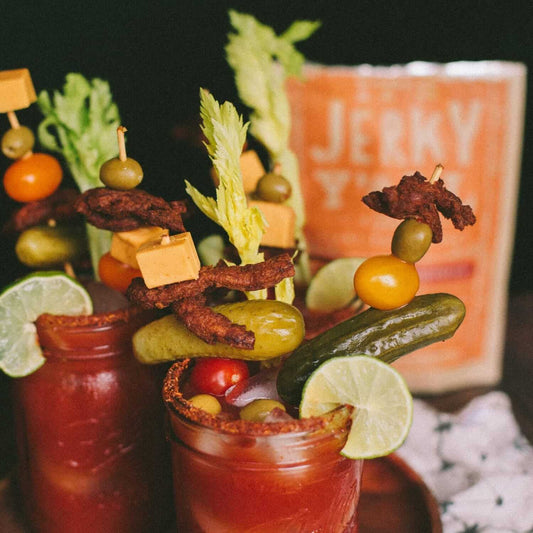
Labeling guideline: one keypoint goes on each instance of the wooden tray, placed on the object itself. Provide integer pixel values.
(393, 499)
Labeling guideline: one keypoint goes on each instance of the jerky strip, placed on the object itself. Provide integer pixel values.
(128, 210)
(242, 278)
(58, 206)
(416, 197)
(211, 326)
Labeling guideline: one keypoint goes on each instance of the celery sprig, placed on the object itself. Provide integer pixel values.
(81, 124)
(262, 61)
(225, 135)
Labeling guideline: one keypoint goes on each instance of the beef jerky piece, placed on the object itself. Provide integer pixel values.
(128, 210)
(452, 208)
(242, 278)
(416, 197)
(211, 326)
(58, 206)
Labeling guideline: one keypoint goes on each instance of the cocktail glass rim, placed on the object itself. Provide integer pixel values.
(336, 421)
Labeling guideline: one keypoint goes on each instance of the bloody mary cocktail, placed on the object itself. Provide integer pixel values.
(91, 448)
(235, 475)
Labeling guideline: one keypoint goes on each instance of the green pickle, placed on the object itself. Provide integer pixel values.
(278, 328)
(386, 335)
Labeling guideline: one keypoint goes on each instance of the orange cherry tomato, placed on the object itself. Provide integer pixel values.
(386, 282)
(116, 274)
(33, 178)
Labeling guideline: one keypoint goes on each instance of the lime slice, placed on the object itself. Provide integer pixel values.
(20, 305)
(383, 404)
(332, 286)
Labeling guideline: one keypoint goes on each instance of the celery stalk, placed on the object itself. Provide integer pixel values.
(81, 125)
(225, 133)
(262, 61)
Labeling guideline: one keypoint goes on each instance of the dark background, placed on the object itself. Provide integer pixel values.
(157, 54)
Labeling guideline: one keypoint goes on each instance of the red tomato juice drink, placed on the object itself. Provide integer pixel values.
(92, 451)
(236, 476)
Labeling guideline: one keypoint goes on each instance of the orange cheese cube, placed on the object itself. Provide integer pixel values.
(16, 90)
(252, 170)
(281, 221)
(124, 244)
(168, 260)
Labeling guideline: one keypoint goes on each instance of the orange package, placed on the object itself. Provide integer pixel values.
(359, 129)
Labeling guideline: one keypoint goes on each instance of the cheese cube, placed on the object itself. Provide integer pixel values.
(281, 221)
(168, 260)
(124, 244)
(252, 170)
(16, 90)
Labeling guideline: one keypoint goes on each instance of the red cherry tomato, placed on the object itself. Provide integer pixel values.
(116, 274)
(386, 282)
(33, 178)
(215, 375)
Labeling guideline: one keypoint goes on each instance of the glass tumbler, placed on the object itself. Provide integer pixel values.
(239, 476)
(92, 455)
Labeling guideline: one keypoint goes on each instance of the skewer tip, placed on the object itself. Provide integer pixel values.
(436, 173)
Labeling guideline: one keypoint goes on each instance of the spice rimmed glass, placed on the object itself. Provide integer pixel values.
(91, 448)
(236, 476)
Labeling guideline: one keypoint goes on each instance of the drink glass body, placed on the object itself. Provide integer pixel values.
(89, 425)
(237, 476)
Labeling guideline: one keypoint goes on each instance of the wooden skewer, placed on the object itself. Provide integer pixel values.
(436, 173)
(13, 120)
(69, 269)
(67, 265)
(121, 143)
(277, 168)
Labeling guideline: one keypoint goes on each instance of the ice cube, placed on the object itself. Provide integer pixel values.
(259, 386)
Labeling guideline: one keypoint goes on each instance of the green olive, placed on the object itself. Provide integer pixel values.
(207, 403)
(121, 175)
(411, 240)
(47, 247)
(17, 141)
(274, 188)
(258, 410)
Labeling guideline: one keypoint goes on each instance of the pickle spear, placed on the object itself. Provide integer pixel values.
(386, 335)
(278, 328)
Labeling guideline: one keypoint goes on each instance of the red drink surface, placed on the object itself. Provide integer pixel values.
(285, 477)
(89, 431)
